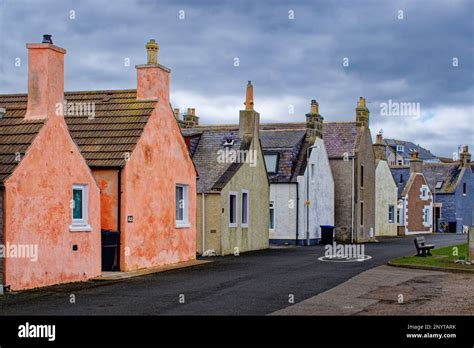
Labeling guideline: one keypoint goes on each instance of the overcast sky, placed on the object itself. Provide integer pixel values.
(416, 51)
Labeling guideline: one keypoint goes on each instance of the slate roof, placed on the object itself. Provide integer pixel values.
(401, 175)
(340, 138)
(288, 144)
(16, 134)
(103, 140)
(213, 174)
(409, 147)
(447, 173)
(289, 141)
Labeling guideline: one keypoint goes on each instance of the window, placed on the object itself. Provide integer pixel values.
(400, 162)
(80, 197)
(398, 216)
(361, 176)
(182, 205)
(272, 215)
(362, 213)
(439, 184)
(426, 215)
(464, 188)
(400, 148)
(271, 161)
(424, 193)
(233, 209)
(312, 171)
(391, 213)
(245, 208)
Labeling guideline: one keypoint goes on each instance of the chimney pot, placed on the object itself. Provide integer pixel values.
(249, 97)
(47, 39)
(379, 139)
(152, 52)
(314, 107)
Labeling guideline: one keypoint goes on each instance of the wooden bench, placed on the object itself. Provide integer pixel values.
(422, 248)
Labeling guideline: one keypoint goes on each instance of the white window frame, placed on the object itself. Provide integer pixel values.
(424, 193)
(400, 148)
(236, 216)
(272, 207)
(80, 225)
(391, 211)
(247, 210)
(184, 223)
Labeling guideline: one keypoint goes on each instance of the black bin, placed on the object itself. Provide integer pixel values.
(327, 234)
(110, 241)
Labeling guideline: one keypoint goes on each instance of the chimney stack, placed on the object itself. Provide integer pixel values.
(416, 164)
(249, 119)
(314, 121)
(380, 149)
(362, 114)
(153, 80)
(190, 119)
(45, 79)
(465, 156)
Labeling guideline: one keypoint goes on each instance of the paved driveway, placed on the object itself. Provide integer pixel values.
(255, 283)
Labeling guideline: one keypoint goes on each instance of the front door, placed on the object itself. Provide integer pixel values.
(437, 216)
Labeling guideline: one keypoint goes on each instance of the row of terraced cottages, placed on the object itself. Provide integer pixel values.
(80, 169)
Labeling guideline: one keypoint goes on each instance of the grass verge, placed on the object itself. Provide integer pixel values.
(443, 258)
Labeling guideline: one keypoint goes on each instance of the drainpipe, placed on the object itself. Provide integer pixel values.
(297, 210)
(119, 217)
(353, 201)
(307, 201)
(203, 207)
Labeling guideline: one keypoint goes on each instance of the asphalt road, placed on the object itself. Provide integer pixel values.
(254, 283)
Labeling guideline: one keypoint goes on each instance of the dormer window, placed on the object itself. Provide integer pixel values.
(271, 161)
(439, 184)
(400, 148)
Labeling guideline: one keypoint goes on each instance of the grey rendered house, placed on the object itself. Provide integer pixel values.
(352, 160)
(232, 187)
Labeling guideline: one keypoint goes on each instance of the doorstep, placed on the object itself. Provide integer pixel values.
(108, 276)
